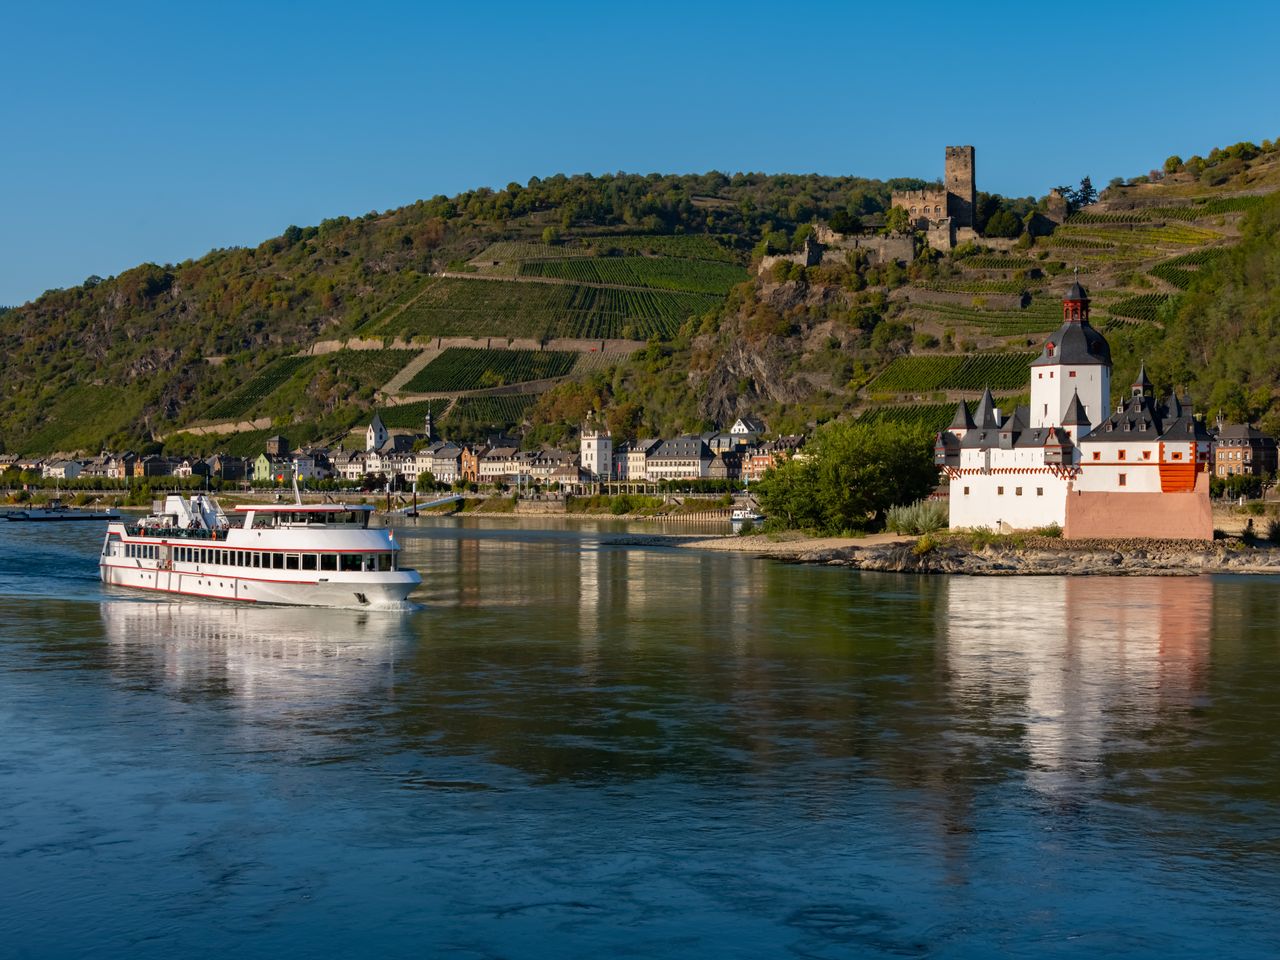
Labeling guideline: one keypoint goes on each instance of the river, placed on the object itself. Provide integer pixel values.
(579, 750)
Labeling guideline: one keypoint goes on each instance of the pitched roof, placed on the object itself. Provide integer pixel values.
(1075, 415)
(963, 420)
(1077, 342)
(1077, 292)
(986, 416)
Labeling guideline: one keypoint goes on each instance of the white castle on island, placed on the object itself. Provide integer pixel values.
(1070, 460)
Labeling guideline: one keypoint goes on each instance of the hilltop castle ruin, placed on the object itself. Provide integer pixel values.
(946, 213)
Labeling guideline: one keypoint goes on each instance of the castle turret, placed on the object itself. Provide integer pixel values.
(1142, 386)
(1076, 361)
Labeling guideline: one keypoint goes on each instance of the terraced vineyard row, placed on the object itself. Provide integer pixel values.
(452, 306)
(366, 367)
(999, 371)
(931, 416)
(1038, 318)
(1145, 306)
(491, 413)
(993, 262)
(690, 246)
(978, 286)
(507, 250)
(241, 401)
(1207, 207)
(666, 273)
(1142, 235)
(464, 368)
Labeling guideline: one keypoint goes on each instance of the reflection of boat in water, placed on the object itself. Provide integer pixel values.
(56, 510)
(257, 653)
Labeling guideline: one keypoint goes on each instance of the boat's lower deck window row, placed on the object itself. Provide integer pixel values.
(268, 560)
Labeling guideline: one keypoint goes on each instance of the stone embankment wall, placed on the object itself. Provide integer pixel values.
(1052, 557)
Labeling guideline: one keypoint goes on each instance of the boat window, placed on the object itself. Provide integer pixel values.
(384, 562)
(291, 561)
(328, 561)
(308, 561)
(277, 561)
(351, 562)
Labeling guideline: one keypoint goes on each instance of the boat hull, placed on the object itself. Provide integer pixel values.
(339, 590)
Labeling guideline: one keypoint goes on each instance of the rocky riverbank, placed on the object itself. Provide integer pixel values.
(999, 556)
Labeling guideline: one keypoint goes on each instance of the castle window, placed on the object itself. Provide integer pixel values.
(1017, 491)
(1146, 454)
(1121, 455)
(1097, 455)
(1071, 374)
(1177, 456)
(1050, 374)
(1039, 491)
(1039, 376)
(999, 491)
(966, 491)
(1122, 479)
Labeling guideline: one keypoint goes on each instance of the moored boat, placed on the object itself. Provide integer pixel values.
(311, 555)
(57, 510)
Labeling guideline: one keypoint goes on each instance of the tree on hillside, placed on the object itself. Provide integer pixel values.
(845, 223)
(897, 220)
(1086, 194)
(1003, 223)
(848, 477)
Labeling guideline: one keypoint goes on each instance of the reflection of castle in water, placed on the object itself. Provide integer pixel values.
(255, 653)
(1080, 662)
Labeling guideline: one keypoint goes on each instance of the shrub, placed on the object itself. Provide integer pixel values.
(924, 545)
(921, 517)
(1052, 530)
(749, 527)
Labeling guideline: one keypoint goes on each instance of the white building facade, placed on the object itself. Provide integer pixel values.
(1142, 471)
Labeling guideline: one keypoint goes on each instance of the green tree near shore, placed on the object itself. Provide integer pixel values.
(848, 477)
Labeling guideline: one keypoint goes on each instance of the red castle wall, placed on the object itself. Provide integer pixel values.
(1185, 515)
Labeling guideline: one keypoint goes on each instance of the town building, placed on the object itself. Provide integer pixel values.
(1069, 460)
(596, 452)
(684, 458)
(62, 470)
(1241, 449)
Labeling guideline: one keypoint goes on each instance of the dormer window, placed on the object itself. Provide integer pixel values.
(1048, 349)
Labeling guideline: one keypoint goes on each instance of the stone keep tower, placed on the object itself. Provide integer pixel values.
(962, 191)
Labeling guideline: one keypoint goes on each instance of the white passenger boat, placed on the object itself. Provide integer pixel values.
(312, 555)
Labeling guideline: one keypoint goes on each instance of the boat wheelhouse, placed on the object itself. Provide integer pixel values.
(315, 555)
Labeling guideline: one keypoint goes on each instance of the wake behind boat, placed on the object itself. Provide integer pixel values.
(318, 555)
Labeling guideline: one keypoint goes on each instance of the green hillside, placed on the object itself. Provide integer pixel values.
(649, 286)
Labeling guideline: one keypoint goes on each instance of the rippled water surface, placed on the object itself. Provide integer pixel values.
(580, 750)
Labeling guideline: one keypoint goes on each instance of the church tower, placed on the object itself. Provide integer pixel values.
(1075, 362)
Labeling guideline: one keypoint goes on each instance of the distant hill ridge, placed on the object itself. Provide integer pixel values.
(665, 259)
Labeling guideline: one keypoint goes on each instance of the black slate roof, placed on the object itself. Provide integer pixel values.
(1076, 343)
(1143, 418)
(1075, 415)
(1077, 292)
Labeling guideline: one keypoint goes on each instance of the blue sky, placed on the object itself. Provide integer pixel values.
(137, 132)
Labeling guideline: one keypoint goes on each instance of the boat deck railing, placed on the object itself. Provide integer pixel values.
(175, 533)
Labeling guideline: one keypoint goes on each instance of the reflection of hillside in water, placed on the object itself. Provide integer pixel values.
(1081, 663)
(254, 653)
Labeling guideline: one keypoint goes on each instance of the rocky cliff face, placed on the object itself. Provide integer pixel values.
(783, 346)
